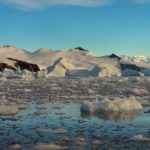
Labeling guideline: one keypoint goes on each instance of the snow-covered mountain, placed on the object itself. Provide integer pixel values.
(74, 62)
(137, 58)
(78, 57)
(7, 51)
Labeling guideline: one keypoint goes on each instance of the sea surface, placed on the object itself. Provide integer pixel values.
(99, 131)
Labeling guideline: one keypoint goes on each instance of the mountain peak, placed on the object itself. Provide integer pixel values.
(41, 50)
(115, 56)
(81, 49)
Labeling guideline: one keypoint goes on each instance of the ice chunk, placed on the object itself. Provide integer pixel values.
(117, 105)
(139, 138)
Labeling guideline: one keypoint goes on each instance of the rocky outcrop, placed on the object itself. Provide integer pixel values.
(115, 56)
(6, 46)
(4, 66)
(25, 65)
(131, 67)
(81, 49)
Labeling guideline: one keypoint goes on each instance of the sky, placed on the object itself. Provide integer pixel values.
(101, 26)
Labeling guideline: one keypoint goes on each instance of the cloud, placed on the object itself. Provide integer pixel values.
(36, 4)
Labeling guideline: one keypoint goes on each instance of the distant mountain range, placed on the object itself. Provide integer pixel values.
(137, 58)
(74, 62)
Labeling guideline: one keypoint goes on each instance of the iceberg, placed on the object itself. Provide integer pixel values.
(116, 105)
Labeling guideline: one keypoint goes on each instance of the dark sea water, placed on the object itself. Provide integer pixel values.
(111, 129)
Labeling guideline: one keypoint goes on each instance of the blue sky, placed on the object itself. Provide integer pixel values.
(102, 26)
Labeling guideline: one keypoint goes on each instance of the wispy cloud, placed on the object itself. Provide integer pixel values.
(35, 4)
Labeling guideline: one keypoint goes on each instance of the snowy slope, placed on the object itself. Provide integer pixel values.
(76, 62)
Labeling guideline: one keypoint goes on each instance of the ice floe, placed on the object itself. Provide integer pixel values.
(117, 105)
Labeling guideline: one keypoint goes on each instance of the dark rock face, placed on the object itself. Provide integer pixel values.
(81, 49)
(131, 66)
(6, 66)
(115, 56)
(6, 46)
(25, 65)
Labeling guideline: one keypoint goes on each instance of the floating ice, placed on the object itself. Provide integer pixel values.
(8, 110)
(49, 147)
(116, 105)
(139, 138)
(136, 91)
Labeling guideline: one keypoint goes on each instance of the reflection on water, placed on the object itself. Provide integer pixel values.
(117, 116)
(68, 116)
